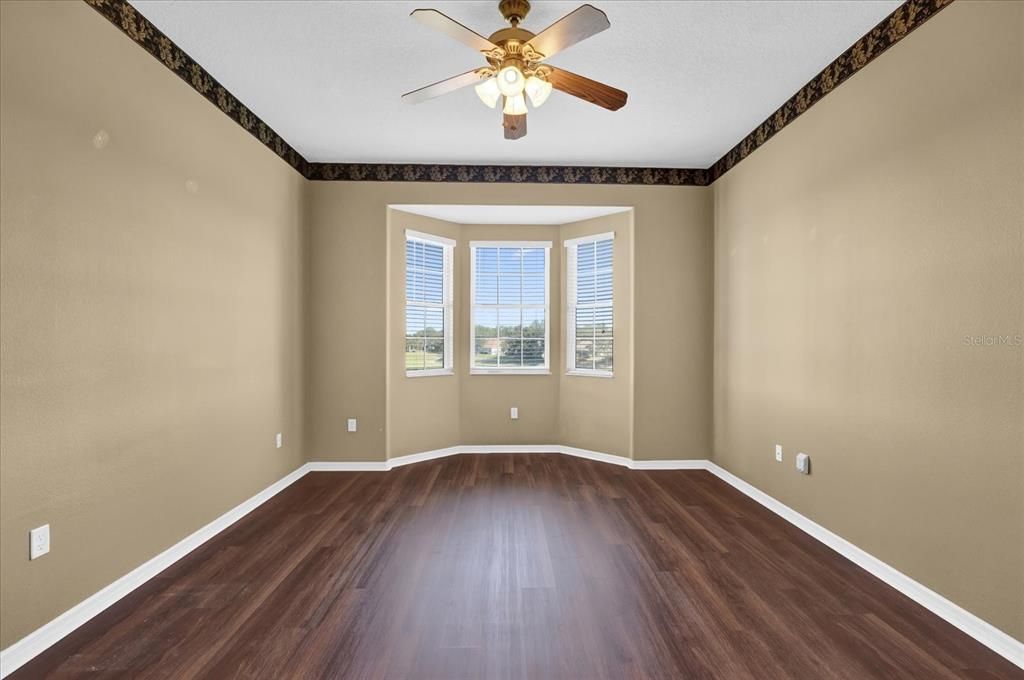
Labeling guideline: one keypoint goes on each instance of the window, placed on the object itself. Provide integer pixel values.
(509, 318)
(428, 304)
(589, 334)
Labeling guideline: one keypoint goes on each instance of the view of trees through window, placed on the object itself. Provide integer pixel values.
(509, 307)
(424, 306)
(591, 308)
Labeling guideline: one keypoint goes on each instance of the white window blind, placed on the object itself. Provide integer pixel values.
(509, 317)
(590, 344)
(428, 304)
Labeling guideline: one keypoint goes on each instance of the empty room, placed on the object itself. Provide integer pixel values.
(472, 340)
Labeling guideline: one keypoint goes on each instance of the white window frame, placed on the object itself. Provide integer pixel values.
(447, 297)
(570, 306)
(533, 370)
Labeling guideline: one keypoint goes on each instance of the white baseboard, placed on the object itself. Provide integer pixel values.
(695, 464)
(34, 643)
(347, 466)
(27, 648)
(424, 456)
(985, 633)
(518, 448)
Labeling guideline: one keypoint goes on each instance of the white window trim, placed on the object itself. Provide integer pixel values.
(570, 306)
(537, 370)
(411, 235)
(448, 299)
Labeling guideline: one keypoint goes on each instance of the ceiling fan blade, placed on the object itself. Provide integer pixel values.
(442, 87)
(515, 126)
(577, 25)
(592, 91)
(453, 29)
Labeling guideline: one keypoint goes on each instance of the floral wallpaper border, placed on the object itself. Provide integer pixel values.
(904, 19)
(884, 35)
(519, 174)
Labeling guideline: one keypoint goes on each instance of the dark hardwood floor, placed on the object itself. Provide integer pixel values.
(516, 566)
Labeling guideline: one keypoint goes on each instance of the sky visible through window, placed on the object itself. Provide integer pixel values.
(509, 307)
(424, 306)
(593, 306)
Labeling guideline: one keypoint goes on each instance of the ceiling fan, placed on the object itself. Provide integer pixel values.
(516, 63)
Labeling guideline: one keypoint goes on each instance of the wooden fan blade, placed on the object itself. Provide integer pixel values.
(592, 91)
(453, 29)
(577, 25)
(441, 87)
(515, 126)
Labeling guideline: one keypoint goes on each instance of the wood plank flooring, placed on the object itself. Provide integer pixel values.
(516, 566)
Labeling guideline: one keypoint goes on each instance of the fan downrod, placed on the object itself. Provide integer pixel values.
(514, 11)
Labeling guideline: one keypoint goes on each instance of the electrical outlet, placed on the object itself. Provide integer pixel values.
(803, 463)
(514, 413)
(279, 440)
(778, 452)
(352, 424)
(39, 541)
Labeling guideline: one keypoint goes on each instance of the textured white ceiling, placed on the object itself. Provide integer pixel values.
(511, 214)
(327, 76)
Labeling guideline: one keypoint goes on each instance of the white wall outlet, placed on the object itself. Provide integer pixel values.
(803, 463)
(514, 413)
(778, 452)
(279, 440)
(352, 424)
(39, 541)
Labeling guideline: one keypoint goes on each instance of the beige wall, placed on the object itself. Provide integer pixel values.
(597, 413)
(348, 317)
(854, 253)
(486, 399)
(150, 335)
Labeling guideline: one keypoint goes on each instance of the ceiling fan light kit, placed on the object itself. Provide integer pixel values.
(515, 65)
(489, 92)
(538, 90)
(515, 105)
(511, 80)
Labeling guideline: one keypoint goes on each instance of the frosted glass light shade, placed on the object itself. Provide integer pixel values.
(488, 92)
(515, 106)
(538, 90)
(511, 81)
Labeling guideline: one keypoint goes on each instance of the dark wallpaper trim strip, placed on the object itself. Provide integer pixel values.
(517, 174)
(150, 38)
(904, 19)
(887, 33)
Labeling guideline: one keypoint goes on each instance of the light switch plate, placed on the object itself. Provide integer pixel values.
(279, 440)
(778, 452)
(38, 541)
(352, 424)
(803, 463)
(514, 413)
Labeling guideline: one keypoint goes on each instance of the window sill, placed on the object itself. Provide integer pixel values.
(427, 373)
(509, 371)
(591, 374)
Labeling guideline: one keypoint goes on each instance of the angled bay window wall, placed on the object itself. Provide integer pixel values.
(526, 326)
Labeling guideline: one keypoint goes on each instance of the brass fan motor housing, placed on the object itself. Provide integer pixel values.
(514, 34)
(513, 50)
(514, 11)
